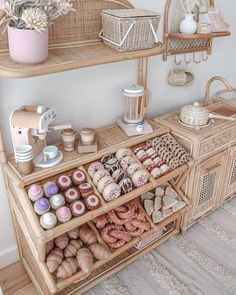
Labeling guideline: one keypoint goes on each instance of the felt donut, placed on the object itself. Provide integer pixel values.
(78, 177)
(121, 153)
(94, 167)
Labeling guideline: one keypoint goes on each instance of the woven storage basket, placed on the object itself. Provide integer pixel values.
(129, 29)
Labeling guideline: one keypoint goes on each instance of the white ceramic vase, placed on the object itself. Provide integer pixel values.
(188, 25)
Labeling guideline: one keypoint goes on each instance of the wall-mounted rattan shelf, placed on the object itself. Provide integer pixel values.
(198, 36)
(64, 59)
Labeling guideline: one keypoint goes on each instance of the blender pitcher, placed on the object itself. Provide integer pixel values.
(136, 103)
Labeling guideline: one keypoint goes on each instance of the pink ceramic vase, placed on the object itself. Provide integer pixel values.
(28, 46)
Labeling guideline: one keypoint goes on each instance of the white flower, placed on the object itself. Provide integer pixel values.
(35, 18)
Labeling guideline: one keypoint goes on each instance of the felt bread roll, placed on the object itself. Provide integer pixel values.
(54, 259)
(72, 248)
(62, 241)
(85, 260)
(74, 233)
(99, 251)
(68, 267)
(49, 246)
(87, 235)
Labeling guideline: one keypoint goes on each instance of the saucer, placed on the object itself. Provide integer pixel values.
(41, 163)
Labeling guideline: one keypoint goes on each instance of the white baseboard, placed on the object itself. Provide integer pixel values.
(8, 256)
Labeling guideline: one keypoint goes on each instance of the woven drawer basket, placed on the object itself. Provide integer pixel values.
(129, 29)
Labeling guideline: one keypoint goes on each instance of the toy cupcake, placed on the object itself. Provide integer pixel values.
(63, 214)
(78, 177)
(41, 206)
(50, 189)
(64, 182)
(35, 192)
(92, 202)
(48, 220)
(71, 194)
(77, 208)
(57, 201)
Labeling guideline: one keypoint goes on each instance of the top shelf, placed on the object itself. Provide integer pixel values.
(64, 59)
(198, 36)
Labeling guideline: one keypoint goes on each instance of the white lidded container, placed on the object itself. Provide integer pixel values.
(136, 103)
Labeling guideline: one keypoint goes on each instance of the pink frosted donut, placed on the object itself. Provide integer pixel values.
(64, 182)
(94, 167)
(126, 161)
(78, 208)
(78, 177)
(71, 194)
(92, 202)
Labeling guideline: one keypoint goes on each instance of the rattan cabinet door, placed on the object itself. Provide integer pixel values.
(230, 181)
(207, 185)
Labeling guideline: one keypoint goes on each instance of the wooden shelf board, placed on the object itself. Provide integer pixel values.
(76, 221)
(64, 59)
(198, 36)
(73, 159)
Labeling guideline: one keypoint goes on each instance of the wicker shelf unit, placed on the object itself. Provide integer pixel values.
(32, 237)
(177, 43)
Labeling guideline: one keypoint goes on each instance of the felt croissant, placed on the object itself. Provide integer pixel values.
(68, 267)
(85, 260)
(62, 241)
(54, 259)
(99, 251)
(49, 246)
(87, 235)
(72, 248)
(74, 233)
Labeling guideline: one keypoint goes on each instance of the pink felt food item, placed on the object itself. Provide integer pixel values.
(77, 208)
(35, 192)
(78, 177)
(71, 194)
(64, 182)
(63, 214)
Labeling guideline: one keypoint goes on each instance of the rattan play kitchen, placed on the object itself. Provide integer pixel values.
(212, 181)
(85, 213)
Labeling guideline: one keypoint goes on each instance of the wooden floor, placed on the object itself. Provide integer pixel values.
(201, 262)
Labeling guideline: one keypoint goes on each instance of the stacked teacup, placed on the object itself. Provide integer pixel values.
(24, 158)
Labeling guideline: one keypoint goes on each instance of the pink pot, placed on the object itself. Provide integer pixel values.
(28, 46)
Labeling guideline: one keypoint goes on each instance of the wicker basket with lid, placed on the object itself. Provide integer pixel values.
(129, 29)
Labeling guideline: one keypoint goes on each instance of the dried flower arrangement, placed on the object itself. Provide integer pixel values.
(34, 14)
(187, 6)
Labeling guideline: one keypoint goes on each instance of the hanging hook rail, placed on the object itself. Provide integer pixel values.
(206, 56)
(194, 59)
(177, 63)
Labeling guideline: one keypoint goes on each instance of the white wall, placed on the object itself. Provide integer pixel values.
(91, 97)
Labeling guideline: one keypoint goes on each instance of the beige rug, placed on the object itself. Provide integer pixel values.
(201, 262)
